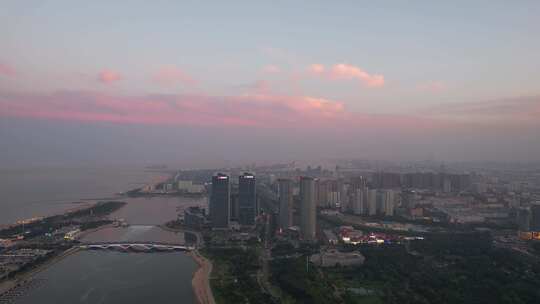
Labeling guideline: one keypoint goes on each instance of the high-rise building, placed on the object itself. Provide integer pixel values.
(464, 182)
(358, 195)
(334, 193)
(386, 180)
(285, 203)
(372, 201)
(524, 219)
(247, 199)
(220, 201)
(359, 201)
(322, 194)
(408, 199)
(344, 202)
(447, 185)
(535, 217)
(358, 182)
(389, 202)
(420, 180)
(380, 202)
(308, 216)
(235, 210)
(436, 181)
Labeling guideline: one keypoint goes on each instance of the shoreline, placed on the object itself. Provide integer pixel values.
(201, 279)
(82, 205)
(24, 277)
(85, 233)
(68, 212)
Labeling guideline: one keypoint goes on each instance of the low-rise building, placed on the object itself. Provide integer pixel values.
(333, 258)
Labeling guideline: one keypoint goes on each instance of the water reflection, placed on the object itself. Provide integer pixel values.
(144, 215)
(155, 210)
(135, 234)
(113, 277)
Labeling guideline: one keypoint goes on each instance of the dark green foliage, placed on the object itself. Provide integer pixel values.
(454, 243)
(456, 272)
(234, 278)
(536, 246)
(283, 248)
(52, 223)
(445, 268)
(94, 224)
(304, 284)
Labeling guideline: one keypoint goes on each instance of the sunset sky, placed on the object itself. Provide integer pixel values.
(194, 82)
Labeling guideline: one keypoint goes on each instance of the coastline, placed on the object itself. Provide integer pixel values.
(82, 205)
(23, 278)
(85, 233)
(201, 279)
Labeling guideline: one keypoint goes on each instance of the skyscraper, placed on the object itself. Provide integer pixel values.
(359, 201)
(372, 201)
(447, 185)
(234, 206)
(535, 217)
(220, 201)
(322, 194)
(524, 219)
(285, 203)
(344, 201)
(389, 202)
(308, 208)
(358, 194)
(334, 193)
(247, 199)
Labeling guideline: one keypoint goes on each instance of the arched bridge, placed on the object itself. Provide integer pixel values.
(136, 246)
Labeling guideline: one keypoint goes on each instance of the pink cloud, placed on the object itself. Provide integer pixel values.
(271, 69)
(255, 110)
(316, 69)
(109, 76)
(344, 71)
(6, 70)
(171, 76)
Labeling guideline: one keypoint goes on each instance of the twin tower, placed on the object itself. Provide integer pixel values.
(220, 203)
(220, 200)
(308, 206)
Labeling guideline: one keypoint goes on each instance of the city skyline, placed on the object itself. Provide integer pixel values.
(434, 80)
(269, 152)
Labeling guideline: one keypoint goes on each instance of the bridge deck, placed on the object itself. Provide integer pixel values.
(136, 246)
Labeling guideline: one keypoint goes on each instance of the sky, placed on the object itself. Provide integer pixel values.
(195, 82)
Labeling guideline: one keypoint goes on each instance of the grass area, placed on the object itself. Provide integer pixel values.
(453, 269)
(301, 282)
(234, 275)
(445, 268)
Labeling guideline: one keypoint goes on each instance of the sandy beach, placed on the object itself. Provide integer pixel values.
(201, 279)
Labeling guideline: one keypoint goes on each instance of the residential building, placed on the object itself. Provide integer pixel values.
(285, 203)
(308, 208)
(220, 201)
(247, 199)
